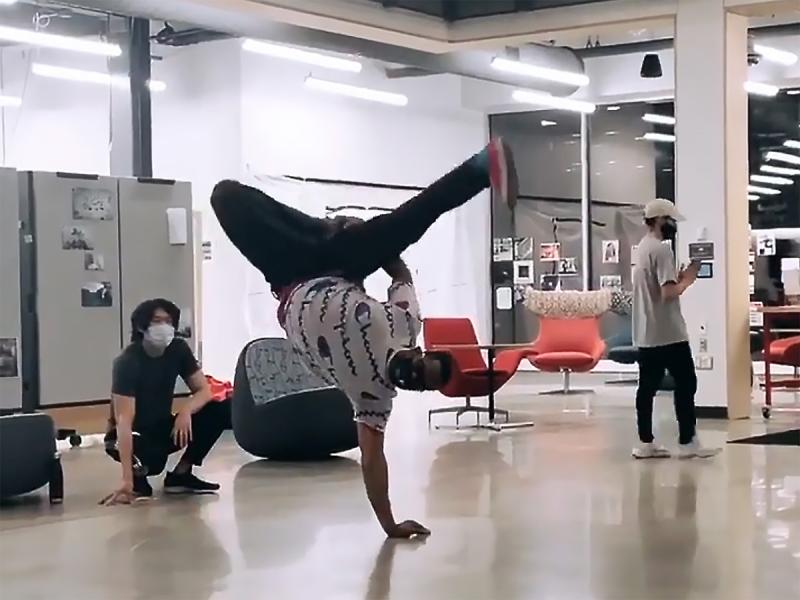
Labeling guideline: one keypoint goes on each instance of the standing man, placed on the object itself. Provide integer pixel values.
(659, 333)
(142, 431)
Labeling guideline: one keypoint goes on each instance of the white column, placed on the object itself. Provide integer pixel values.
(711, 192)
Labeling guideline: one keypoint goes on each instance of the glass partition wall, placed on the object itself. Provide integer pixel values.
(630, 160)
(541, 242)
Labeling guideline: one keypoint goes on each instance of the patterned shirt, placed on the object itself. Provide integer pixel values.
(347, 337)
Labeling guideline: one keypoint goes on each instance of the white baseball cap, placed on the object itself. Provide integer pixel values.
(661, 208)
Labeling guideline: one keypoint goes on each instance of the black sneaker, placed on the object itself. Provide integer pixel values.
(141, 488)
(187, 483)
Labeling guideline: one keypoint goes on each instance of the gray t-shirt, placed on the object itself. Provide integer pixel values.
(656, 322)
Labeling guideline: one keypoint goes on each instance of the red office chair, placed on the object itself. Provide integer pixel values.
(568, 346)
(470, 377)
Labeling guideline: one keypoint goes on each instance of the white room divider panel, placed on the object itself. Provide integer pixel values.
(10, 329)
(154, 264)
(78, 285)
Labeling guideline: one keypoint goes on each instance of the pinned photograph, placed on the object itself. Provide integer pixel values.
(504, 298)
(765, 244)
(91, 204)
(96, 294)
(76, 238)
(568, 266)
(523, 272)
(610, 251)
(523, 248)
(634, 252)
(751, 279)
(9, 363)
(519, 293)
(548, 283)
(503, 249)
(94, 261)
(610, 281)
(550, 252)
(184, 329)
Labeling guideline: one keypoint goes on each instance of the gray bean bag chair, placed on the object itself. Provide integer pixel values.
(281, 411)
(28, 458)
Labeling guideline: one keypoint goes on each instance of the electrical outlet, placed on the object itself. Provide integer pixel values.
(704, 362)
(703, 345)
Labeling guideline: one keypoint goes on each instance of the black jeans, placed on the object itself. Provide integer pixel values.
(677, 359)
(153, 444)
(288, 246)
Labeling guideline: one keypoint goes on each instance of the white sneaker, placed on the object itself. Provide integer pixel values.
(650, 450)
(694, 450)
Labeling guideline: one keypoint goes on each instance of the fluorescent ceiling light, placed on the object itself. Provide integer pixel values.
(753, 197)
(612, 132)
(613, 108)
(757, 189)
(773, 179)
(62, 42)
(528, 70)
(12, 101)
(55, 72)
(783, 157)
(542, 99)
(780, 170)
(546, 123)
(761, 89)
(659, 137)
(353, 91)
(793, 92)
(303, 56)
(660, 119)
(792, 144)
(781, 57)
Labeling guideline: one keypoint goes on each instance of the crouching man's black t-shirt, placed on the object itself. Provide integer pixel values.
(151, 381)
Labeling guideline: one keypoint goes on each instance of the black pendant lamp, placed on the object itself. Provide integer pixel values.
(651, 67)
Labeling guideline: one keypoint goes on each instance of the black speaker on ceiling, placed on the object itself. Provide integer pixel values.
(651, 67)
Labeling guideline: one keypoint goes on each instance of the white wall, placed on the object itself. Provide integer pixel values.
(61, 125)
(228, 113)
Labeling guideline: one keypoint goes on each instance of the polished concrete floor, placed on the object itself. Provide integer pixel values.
(556, 512)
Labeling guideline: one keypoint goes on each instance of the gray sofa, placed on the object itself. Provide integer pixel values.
(281, 411)
(28, 458)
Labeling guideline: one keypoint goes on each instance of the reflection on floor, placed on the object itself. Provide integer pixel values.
(559, 511)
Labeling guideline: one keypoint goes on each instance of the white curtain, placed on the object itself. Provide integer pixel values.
(449, 264)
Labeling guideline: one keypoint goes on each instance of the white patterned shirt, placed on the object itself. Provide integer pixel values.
(346, 337)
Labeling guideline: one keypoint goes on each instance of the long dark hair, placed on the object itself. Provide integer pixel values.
(142, 316)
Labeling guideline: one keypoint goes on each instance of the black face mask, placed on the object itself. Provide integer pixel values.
(669, 229)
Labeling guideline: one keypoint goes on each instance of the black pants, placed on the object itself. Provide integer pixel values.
(288, 246)
(153, 445)
(677, 359)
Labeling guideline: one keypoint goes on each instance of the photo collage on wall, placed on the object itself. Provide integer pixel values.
(513, 269)
(90, 206)
(9, 358)
(610, 255)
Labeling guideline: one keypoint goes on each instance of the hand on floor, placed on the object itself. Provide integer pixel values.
(408, 529)
(122, 495)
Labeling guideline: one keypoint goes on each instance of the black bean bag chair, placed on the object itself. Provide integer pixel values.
(283, 412)
(28, 458)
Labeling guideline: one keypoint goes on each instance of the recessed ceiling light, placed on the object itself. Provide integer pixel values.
(659, 119)
(640, 166)
(772, 179)
(612, 132)
(613, 108)
(792, 92)
(659, 137)
(783, 157)
(780, 170)
(761, 89)
(546, 123)
(612, 162)
(792, 144)
(757, 189)
(753, 196)
(576, 135)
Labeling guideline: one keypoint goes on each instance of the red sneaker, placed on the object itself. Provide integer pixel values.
(502, 173)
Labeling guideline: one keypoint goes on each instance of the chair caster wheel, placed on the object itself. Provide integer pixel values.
(75, 440)
(765, 412)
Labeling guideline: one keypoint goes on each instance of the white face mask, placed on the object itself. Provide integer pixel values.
(160, 335)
